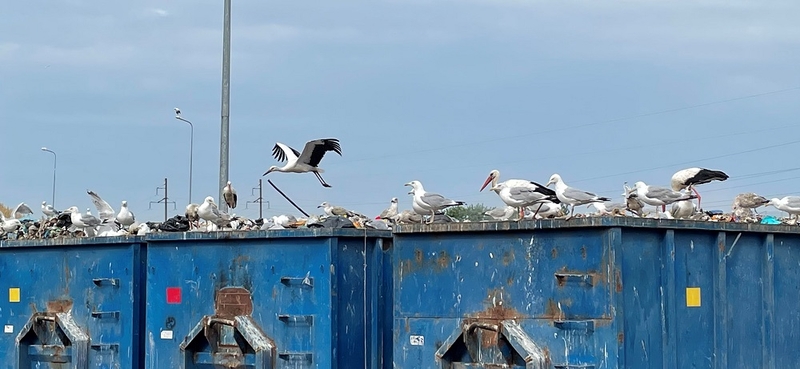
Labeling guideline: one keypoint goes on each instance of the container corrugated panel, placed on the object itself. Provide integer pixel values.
(596, 293)
(305, 298)
(71, 303)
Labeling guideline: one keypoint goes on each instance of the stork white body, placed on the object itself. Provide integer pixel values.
(308, 160)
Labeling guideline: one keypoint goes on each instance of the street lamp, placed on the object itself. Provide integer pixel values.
(55, 160)
(191, 148)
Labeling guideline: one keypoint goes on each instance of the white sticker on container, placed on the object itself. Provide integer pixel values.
(417, 340)
(8, 329)
(166, 335)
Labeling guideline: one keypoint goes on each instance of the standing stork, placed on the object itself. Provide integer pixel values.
(688, 178)
(308, 160)
(229, 195)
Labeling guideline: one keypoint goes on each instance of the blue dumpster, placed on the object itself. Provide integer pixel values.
(303, 298)
(71, 303)
(596, 293)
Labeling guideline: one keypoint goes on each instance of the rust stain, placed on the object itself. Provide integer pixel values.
(233, 301)
(554, 253)
(443, 261)
(546, 352)
(418, 256)
(583, 252)
(620, 337)
(552, 311)
(510, 281)
(721, 246)
(408, 326)
(508, 257)
(618, 277)
(59, 306)
(241, 259)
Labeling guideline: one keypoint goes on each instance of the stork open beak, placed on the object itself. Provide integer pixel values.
(486, 183)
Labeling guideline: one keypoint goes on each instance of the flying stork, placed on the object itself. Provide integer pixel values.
(308, 160)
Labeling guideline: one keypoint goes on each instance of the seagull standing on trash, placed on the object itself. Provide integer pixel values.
(125, 217)
(389, 212)
(573, 196)
(308, 160)
(430, 201)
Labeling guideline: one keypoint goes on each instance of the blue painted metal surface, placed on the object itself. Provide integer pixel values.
(305, 298)
(596, 293)
(71, 303)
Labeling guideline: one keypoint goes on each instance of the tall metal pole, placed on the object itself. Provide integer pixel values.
(166, 197)
(226, 90)
(55, 161)
(191, 152)
(260, 201)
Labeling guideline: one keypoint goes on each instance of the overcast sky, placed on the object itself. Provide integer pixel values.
(442, 92)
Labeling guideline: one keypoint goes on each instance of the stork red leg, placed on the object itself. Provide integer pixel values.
(698, 198)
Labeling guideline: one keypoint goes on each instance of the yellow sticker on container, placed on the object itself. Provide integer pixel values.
(692, 296)
(13, 294)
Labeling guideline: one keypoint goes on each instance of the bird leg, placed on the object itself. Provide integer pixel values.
(321, 180)
(433, 216)
(521, 214)
(698, 198)
(537, 210)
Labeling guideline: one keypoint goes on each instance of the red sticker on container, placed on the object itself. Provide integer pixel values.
(173, 295)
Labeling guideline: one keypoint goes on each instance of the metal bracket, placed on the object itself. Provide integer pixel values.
(99, 282)
(105, 314)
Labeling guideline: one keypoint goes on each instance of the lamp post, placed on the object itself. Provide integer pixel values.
(191, 148)
(55, 161)
(226, 98)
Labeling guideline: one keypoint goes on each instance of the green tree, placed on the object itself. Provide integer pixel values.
(473, 213)
(5, 210)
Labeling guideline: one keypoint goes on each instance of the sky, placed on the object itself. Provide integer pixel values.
(601, 92)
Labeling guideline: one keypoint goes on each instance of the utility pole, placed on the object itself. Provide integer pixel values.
(259, 200)
(226, 99)
(164, 199)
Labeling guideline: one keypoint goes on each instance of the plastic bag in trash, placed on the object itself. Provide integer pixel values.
(178, 223)
(333, 222)
(769, 219)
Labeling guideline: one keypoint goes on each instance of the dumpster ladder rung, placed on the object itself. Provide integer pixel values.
(105, 347)
(575, 325)
(296, 356)
(306, 281)
(105, 314)
(99, 282)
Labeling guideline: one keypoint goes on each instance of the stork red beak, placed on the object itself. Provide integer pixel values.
(486, 183)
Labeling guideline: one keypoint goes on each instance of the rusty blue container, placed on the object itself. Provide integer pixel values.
(301, 298)
(596, 293)
(72, 303)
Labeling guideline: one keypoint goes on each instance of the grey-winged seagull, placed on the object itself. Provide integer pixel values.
(431, 201)
(229, 195)
(655, 196)
(519, 193)
(391, 211)
(573, 196)
(789, 204)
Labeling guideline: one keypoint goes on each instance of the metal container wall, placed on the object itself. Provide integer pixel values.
(307, 298)
(71, 303)
(596, 293)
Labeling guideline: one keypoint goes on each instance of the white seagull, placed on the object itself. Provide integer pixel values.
(519, 193)
(104, 210)
(86, 221)
(656, 196)
(690, 177)
(11, 225)
(504, 213)
(430, 201)
(573, 196)
(391, 211)
(209, 212)
(308, 160)
(683, 209)
(48, 210)
(229, 195)
(789, 204)
(191, 214)
(125, 217)
(331, 210)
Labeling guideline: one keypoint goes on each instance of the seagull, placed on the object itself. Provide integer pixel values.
(683, 209)
(48, 210)
(573, 196)
(688, 178)
(306, 161)
(519, 193)
(177, 112)
(125, 216)
(331, 210)
(407, 216)
(85, 221)
(191, 214)
(21, 210)
(229, 195)
(745, 204)
(390, 211)
(11, 225)
(609, 208)
(504, 213)
(789, 204)
(104, 210)
(430, 201)
(209, 212)
(656, 196)
(545, 209)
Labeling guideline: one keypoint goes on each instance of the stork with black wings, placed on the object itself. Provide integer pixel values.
(308, 160)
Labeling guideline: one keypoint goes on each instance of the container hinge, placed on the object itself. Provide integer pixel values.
(296, 356)
(564, 277)
(301, 320)
(105, 314)
(575, 325)
(106, 347)
(99, 282)
(306, 281)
